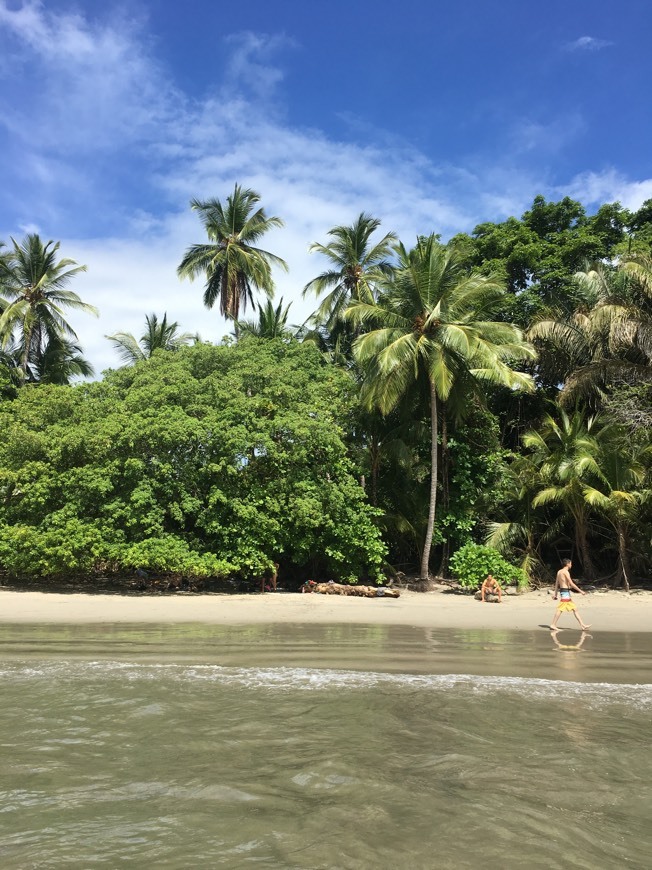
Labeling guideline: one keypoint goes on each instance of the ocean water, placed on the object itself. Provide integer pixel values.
(323, 747)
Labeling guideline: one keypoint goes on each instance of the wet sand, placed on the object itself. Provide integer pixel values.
(605, 611)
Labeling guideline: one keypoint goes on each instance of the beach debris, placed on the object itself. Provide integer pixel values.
(331, 588)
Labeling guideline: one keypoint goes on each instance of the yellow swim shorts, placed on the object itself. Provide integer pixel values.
(566, 607)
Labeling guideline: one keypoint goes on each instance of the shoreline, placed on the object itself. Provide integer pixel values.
(605, 611)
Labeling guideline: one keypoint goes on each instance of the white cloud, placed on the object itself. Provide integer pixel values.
(594, 188)
(587, 43)
(94, 88)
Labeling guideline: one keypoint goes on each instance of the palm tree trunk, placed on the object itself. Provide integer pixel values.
(445, 487)
(434, 433)
(583, 547)
(27, 338)
(623, 556)
(375, 463)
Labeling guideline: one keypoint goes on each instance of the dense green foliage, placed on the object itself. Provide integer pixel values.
(462, 407)
(209, 461)
(472, 562)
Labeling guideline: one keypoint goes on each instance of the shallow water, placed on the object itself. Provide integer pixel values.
(323, 747)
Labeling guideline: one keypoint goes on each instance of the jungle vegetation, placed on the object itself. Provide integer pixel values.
(495, 390)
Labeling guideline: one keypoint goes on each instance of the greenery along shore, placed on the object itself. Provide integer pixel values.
(494, 390)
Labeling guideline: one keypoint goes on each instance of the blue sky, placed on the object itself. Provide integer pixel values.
(432, 116)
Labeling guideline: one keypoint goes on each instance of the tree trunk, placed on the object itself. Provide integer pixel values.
(445, 487)
(583, 547)
(425, 555)
(375, 463)
(623, 556)
(27, 338)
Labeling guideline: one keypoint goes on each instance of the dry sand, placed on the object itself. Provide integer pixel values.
(610, 611)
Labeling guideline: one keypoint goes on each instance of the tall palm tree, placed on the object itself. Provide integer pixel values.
(158, 335)
(272, 322)
(34, 298)
(431, 322)
(567, 453)
(619, 491)
(231, 263)
(357, 266)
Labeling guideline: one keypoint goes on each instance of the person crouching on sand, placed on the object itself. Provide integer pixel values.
(563, 586)
(490, 587)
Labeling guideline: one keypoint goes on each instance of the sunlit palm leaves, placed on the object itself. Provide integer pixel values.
(34, 300)
(231, 263)
(158, 335)
(357, 266)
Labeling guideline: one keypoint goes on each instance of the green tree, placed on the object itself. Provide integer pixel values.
(431, 322)
(33, 286)
(272, 322)
(607, 338)
(526, 528)
(619, 491)
(60, 361)
(357, 266)
(538, 254)
(231, 263)
(158, 335)
(567, 454)
(212, 461)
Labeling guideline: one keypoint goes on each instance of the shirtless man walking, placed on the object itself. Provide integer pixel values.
(563, 586)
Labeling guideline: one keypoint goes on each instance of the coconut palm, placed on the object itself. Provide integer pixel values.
(231, 263)
(34, 298)
(567, 453)
(272, 322)
(619, 492)
(60, 361)
(431, 324)
(607, 338)
(357, 267)
(158, 335)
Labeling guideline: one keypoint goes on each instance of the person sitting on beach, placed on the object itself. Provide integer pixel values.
(268, 583)
(491, 589)
(563, 585)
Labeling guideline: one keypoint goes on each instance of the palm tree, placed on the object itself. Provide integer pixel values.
(232, 265)
(431, 323)
(357, 265)
(526, 527)
(619, 492)
(272, 322)
(607, 338)
(32, 284)
(567, 453)
(60, 361)
(158, 335)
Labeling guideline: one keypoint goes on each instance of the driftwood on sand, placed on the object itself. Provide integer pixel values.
(359, 591)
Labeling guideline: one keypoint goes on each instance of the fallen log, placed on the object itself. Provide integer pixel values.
(356, 591)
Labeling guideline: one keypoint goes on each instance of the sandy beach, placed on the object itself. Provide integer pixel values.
(605, 611)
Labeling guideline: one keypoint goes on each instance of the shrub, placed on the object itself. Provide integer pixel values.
(472, 562)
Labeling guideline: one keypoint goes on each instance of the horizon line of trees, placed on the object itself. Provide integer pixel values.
(502, 379)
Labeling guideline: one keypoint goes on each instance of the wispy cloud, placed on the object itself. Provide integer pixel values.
(587, 43)
(547, 137)
(594, 188)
